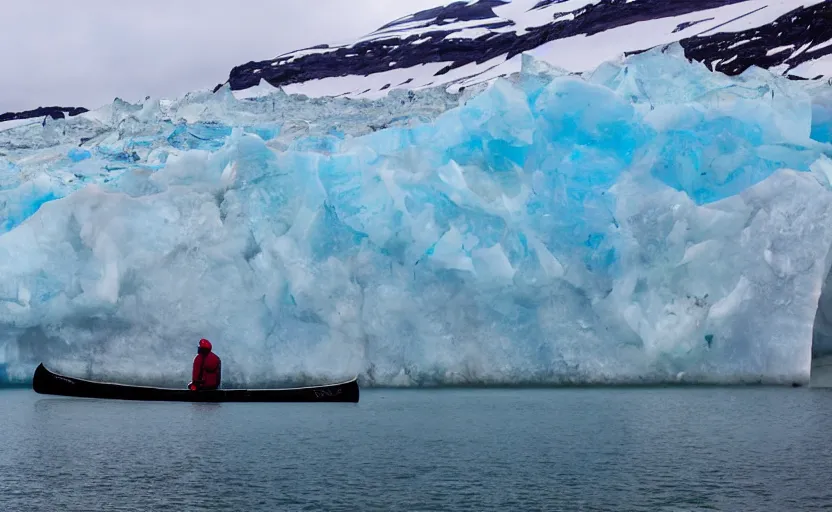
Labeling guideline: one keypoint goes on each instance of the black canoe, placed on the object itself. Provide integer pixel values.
(46, 382)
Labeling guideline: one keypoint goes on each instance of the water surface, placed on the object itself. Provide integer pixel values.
(571, 449)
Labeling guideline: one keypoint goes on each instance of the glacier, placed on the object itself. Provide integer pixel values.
(648, 221)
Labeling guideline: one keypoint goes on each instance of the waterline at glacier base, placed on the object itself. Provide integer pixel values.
(648, 222)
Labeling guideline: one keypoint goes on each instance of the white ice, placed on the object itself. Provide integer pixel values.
(650, 221)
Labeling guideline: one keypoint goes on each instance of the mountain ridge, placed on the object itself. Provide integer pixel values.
(54, 112)
(732, 34)
(467, 42)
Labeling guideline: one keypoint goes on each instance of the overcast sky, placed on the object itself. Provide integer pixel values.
(87, 52)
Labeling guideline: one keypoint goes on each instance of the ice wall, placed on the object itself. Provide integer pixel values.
(650, 221)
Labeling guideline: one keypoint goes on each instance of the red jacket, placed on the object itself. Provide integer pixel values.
(210, 367)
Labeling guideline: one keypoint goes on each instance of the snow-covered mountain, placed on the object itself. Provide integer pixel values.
(467, 42)
(473, 41)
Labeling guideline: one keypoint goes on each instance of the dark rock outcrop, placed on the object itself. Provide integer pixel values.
(53, 112)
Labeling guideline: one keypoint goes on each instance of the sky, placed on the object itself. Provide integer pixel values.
(88, 52)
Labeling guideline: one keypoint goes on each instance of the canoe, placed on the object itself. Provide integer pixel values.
(46, 382)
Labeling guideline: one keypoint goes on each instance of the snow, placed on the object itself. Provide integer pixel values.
(813, 68)
(400, 27)
(355, 86)
(779, 49)
(754, 13)
(732, 59)
(469, 33)
(418, 30)
(739, 43)
(14, 123)
(820, 46)
(646, 220)
(800, 50)
(262, 89)
(582, 53)
(486, 72)
(476, 70)
(576, 54)
(520, 12)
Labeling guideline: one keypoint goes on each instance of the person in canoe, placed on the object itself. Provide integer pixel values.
(207, 372)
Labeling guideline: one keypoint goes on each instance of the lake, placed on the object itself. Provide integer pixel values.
(657, 449)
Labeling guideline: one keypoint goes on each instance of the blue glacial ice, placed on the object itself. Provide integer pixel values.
(648, 221)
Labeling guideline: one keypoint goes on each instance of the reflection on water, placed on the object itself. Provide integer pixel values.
(577, 449)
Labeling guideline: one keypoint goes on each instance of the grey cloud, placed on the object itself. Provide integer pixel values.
(87, 52)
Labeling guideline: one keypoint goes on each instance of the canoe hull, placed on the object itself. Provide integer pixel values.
(46, 382)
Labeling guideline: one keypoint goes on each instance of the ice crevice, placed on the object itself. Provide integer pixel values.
(649, 221)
